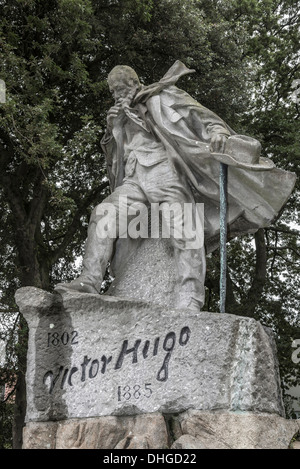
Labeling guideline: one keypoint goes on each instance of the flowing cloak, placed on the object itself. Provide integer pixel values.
(255, 198)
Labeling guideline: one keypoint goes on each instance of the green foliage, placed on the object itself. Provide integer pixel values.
(6, 423)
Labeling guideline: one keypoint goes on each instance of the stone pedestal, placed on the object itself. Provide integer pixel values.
(97, 357)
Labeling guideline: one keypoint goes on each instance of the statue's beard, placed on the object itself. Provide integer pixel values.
(126, 101)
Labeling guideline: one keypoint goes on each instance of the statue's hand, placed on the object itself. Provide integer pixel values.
(112, 114)
(217, 143)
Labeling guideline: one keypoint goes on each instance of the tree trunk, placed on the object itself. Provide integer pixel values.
(20, 395)
(29, 275)
(28, 259)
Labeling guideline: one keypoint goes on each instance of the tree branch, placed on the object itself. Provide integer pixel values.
(14, 199)
(284, 248)
(283, 230)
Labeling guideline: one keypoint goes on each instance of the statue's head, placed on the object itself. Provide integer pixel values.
(123, 83)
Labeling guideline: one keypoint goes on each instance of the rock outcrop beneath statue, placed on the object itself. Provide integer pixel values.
(107, 372)
(192, 430)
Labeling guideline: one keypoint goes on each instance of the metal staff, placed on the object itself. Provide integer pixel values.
(223, 234)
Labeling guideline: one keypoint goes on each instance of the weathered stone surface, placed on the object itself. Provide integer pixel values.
(40, 435)
(92, 355)
(188, 442)
(144, 431)
(193, 430)
(239, 431)
(126, 432)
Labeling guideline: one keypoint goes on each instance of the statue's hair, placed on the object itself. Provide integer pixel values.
(127, 74)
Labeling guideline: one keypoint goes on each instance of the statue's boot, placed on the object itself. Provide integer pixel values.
(98, 252)
(191, 266)
(81, 284)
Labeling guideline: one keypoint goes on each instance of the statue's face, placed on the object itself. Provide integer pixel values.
(119, 90)
(123, 90)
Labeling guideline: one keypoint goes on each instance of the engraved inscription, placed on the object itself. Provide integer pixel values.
(91, 367)
(54, 338)
(134, 392)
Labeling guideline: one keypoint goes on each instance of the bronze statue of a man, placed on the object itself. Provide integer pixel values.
(163, 147)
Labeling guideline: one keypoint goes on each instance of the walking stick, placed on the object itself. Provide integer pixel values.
(223, 234)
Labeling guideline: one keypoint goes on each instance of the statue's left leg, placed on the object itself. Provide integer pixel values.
(190, 257)
(185, 221)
